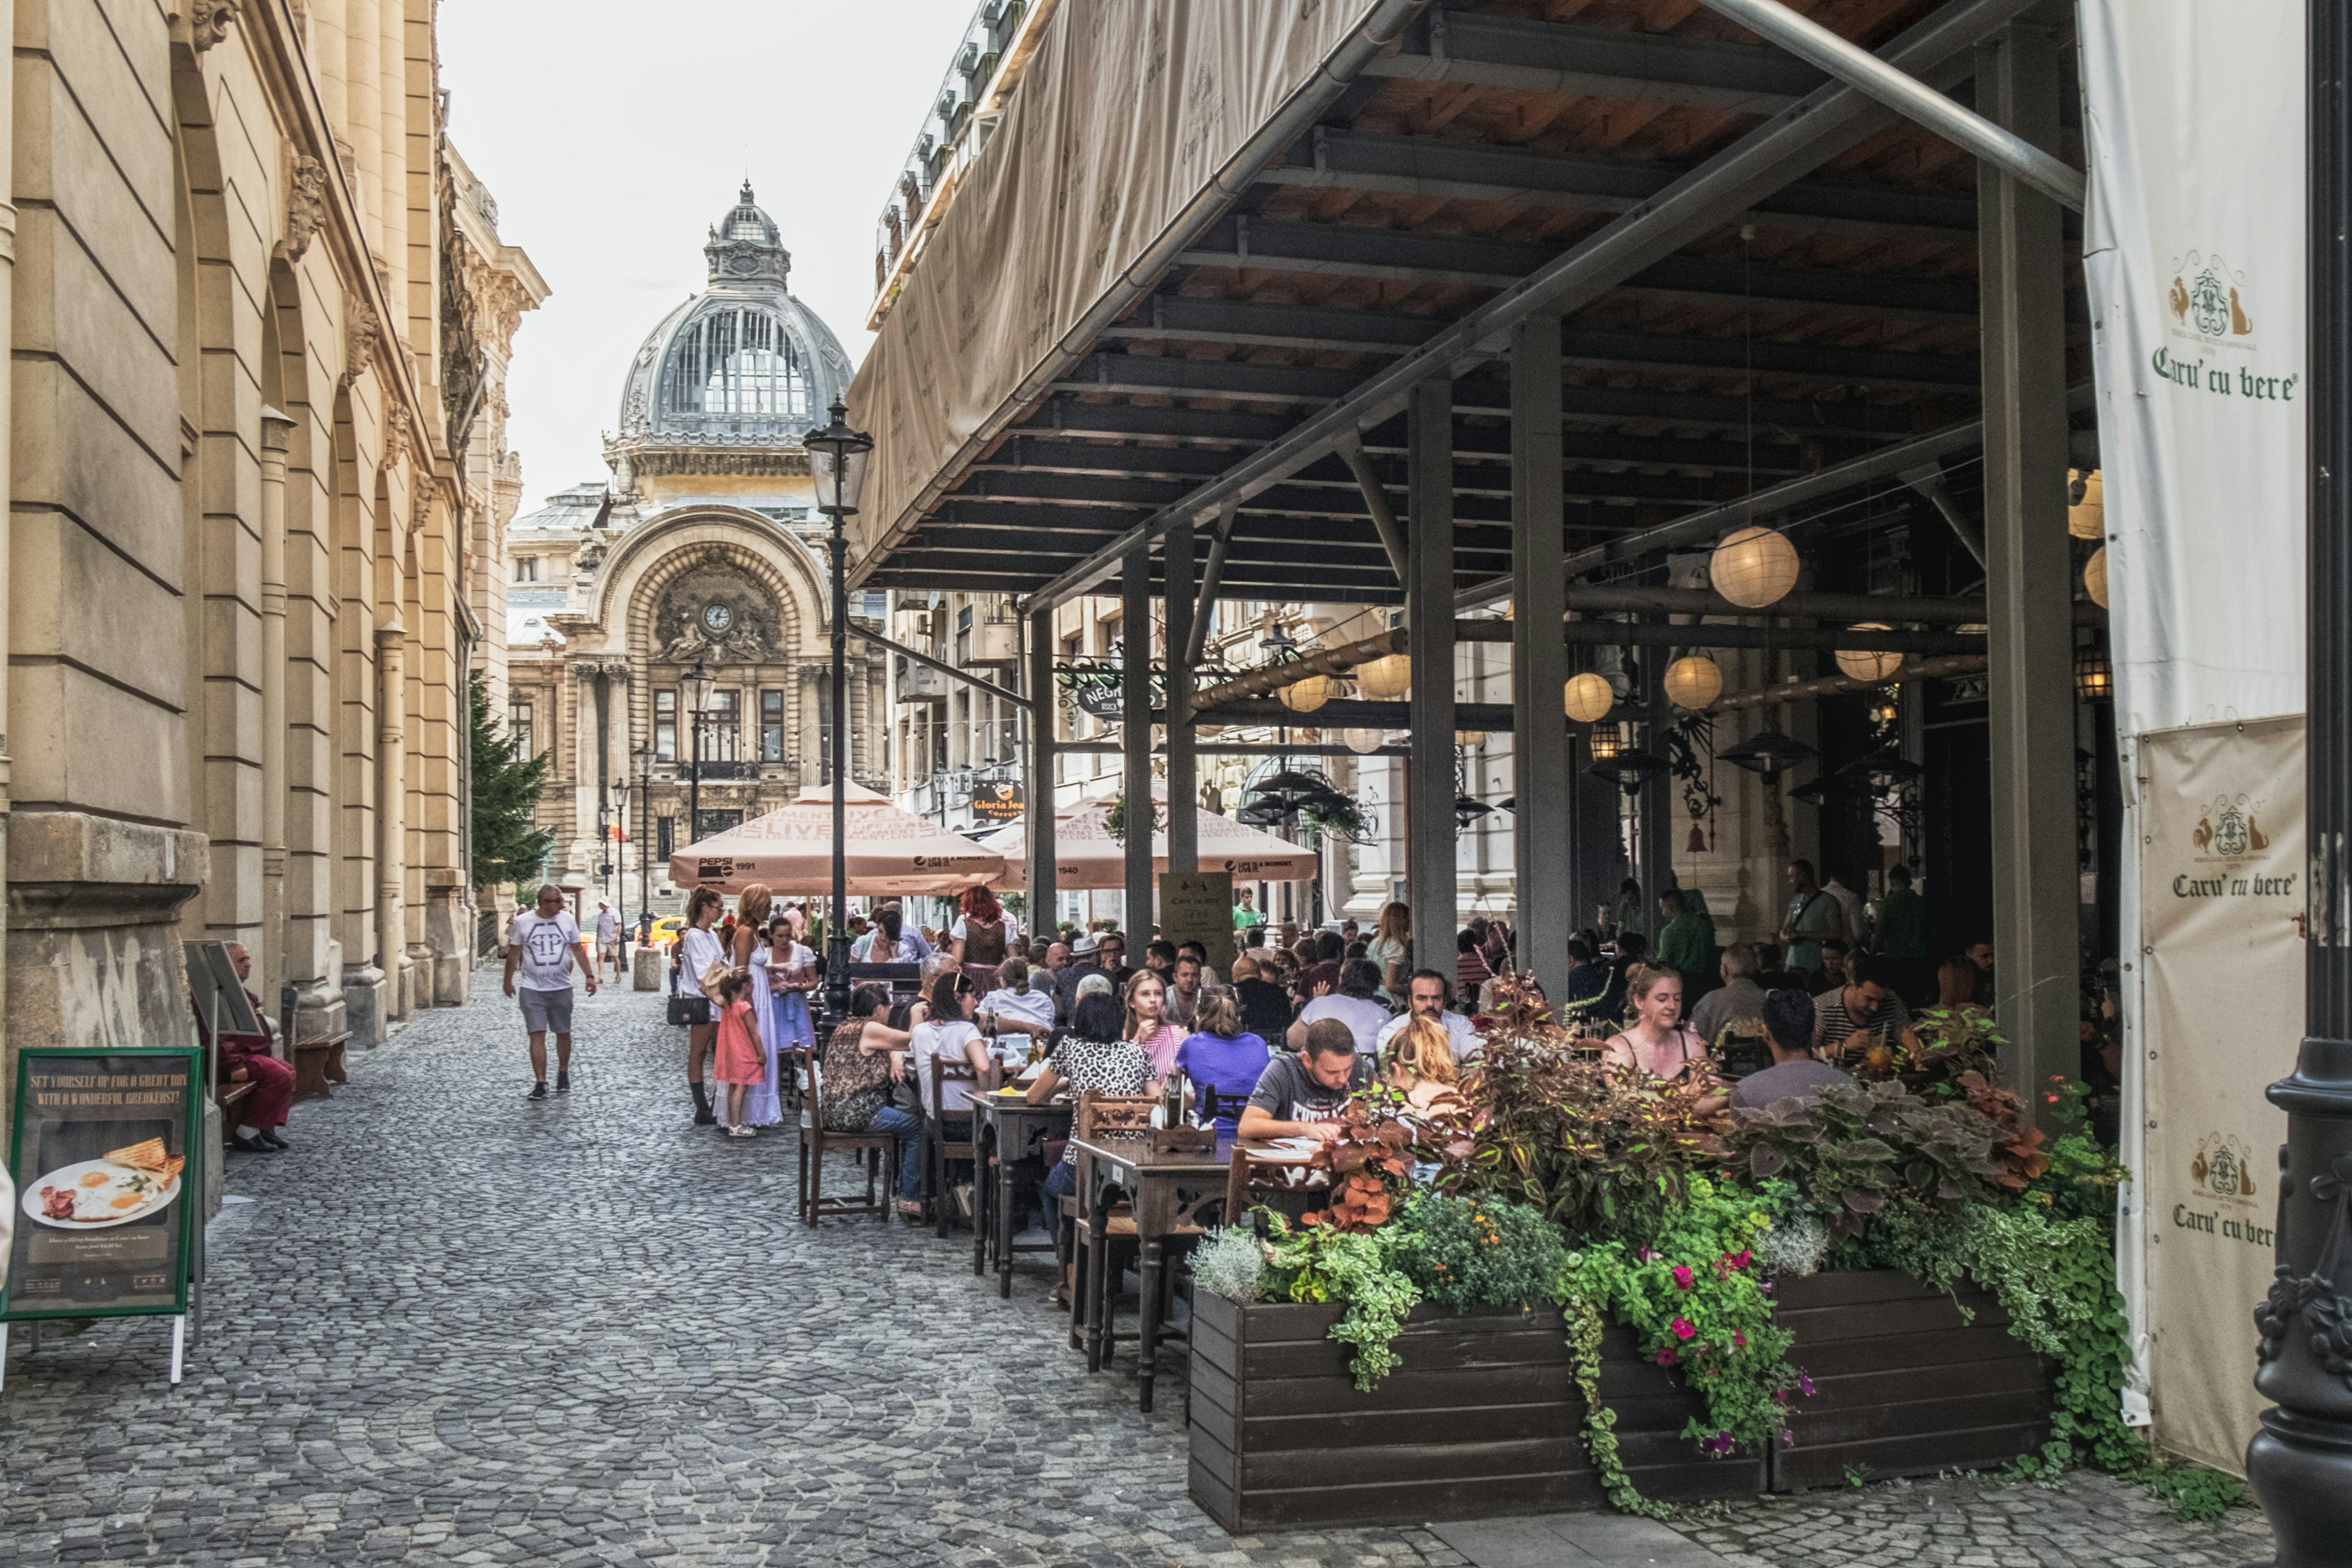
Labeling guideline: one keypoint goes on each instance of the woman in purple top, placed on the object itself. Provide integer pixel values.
(1221, 1056)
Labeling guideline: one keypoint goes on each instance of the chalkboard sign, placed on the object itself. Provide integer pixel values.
(104, 1153)
(1198, 906)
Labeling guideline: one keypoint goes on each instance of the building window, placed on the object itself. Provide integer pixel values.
(519, 726)
(665, 838)
(722, 727)
(526, 569)
(665, 728)
(771, 725)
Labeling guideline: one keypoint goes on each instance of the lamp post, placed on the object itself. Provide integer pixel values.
(694, 688)
(2300, 1463)
(837, 461)
(645, 756)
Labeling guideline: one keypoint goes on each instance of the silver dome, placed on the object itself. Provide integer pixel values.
(741, 364)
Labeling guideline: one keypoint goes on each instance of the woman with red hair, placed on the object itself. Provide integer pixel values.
(983, 934)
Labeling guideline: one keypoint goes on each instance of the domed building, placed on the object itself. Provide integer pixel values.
(704, 553)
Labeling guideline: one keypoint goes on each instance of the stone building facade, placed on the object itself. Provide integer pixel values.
(705, 550)
(254, 418)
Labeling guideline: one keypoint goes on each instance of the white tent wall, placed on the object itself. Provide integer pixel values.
(2194, 258)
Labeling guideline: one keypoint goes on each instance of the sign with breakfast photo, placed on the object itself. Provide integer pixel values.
(99, 1150)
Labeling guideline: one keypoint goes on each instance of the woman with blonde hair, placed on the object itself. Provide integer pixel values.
(1147, 1021)
(1419, 1061)
(1391, 949)
(1658, 1041)
(751, 907)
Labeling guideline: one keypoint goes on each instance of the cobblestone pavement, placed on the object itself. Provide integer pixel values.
(453, 1327)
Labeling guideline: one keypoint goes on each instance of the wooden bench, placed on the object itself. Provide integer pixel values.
(318, 1064)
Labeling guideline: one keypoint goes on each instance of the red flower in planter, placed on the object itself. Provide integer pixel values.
(1682, 1278)
(1739, 1339)
(1684, 1329)
(1667, 1357)
(1805, 1386)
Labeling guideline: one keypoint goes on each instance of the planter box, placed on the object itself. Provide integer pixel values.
(1482, 1418)
(1903, 1383)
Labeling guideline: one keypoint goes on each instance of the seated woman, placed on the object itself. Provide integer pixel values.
(1222, 1058)
(1147, 1021)
(1659, 1042)
(859, 1065)
(1089, 1055)
(1016, 1007)
(1419, 1064)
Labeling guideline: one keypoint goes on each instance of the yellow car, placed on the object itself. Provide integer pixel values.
(664, 932)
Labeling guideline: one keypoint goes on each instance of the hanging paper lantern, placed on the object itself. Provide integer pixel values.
(2086, 507)
(1588, 698)
(2095, 576)
(1754, 567)
(1694, 680)
(1861, 665)
(1386, 679)
(1308, 695)
(1469, 737)
(1363, 742)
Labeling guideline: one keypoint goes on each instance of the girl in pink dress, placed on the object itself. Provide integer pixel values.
(742, 1062)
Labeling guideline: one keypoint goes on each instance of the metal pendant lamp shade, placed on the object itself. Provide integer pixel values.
(1289, 781)
(1386, 679)
(1629, 769)
(1754, 567)
(1863, 664)
(2095, 576)
(1768, 752)
(1308, 695)
(1588, 698)
(1694, 680)
(1467, 809)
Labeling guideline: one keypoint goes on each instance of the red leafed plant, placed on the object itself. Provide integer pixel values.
(1369, 1164)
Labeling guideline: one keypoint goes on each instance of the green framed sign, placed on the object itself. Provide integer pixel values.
(105, 1153)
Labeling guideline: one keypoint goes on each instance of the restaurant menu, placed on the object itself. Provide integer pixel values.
(105, 1187)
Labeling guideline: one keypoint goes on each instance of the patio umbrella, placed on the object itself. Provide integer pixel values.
(1086, 855)
(791, 849)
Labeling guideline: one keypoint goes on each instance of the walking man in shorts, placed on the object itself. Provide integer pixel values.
(608, 938)
(543, 944)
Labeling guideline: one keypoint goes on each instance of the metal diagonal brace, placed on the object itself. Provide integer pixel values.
(1928, 481)
(879, 640)
(1908, 96)
(1211, 575)
(1376, 502)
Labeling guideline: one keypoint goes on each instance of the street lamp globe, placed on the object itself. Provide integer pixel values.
(837, 456)
(694, 687)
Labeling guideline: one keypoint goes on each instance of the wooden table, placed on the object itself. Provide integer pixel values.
(1010, 1128)
(1167, 1192)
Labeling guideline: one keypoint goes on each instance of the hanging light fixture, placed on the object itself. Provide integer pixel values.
(1694, 680)
(2086, 507)
(1606, 744)
(1363, 742)
(1628, 768)
(1588, 698)
(2094, 675)
(1863, 664)
(1308, 695)
(1754, 567)
(1468, 809)
(2095, 576)
(1768, 752)
(1469, 737)
(1386, 679)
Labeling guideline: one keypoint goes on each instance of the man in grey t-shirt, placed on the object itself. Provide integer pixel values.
(1788, 1030)
(1301, 1096)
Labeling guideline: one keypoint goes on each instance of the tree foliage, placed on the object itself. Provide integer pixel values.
(508, 845)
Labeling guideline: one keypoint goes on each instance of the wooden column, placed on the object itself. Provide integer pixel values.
(1541, 780)
(1429, 618)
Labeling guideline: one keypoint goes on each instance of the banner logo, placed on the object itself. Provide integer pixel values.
(2222, 1167)
(2228, 829)
(2205, 298)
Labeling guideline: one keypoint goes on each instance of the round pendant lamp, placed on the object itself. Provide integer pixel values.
(1386, 679)
(2095, 576)
(1754, 567)
(1863, 664)
(1588, 698)
(1308, 695)
(1363, 742)
(2086, 507)
(1694, 680)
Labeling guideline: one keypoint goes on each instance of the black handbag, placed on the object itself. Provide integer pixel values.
(687, 1010)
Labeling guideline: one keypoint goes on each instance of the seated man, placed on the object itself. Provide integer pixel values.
(1789, 1031)
(1428, 998)
(1300, 1095)
(247, 1058)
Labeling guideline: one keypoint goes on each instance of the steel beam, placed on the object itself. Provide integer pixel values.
(1928, 480)
(903, 651)
(1823, 125)
(1176, 593)
(1204, 611)
(1044, 723)
(1135, 738)
(1376, 502)
(1622, 66)
(1541, 770)
(2029, 579)
(1429, 618)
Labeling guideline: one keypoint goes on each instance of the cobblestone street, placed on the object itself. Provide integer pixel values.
(452, 1326)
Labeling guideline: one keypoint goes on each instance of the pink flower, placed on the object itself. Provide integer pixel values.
(1682, 1278)
(1788, 1438)
(1645, 1255)
(1667, 1357)
(1739, 1340)
(1765, 1288)
(1739, 1260)
(1684, 1329)
(1718, 1444)
(1805, 1386)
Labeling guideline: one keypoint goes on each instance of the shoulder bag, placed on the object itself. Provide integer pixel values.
(687, 1010)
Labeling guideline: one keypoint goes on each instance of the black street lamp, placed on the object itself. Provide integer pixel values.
(837, 461)
(694, 688)
(645, 756)
(2301, 1461)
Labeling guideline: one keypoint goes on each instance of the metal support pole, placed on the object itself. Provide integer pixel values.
(2030, 582)
(836, 925)
(2301, 1461)
(1135, 736)
(1044, 712)
(1657, 798)
(1541, 780)
(1183, 775)
(1429, 617)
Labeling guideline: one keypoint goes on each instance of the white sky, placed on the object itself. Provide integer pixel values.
(614, 136)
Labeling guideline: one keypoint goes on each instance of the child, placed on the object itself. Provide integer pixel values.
(742, 1065)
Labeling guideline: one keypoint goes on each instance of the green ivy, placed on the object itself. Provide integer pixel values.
(1584, 1331)
(1317, 1263)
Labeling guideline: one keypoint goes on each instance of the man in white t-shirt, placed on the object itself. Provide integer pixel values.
(608, 937)
(542, 945)
(1353, 1005)
(1428, 995)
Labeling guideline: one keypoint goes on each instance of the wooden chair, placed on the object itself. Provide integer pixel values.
(942, 1149)
(1268, 1183)
(879, 1152)
(1097, 1113)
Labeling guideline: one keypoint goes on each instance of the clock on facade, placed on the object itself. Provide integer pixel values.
(717, 617)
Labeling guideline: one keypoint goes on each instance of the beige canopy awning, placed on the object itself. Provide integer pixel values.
(791, 850)
(1085, 856)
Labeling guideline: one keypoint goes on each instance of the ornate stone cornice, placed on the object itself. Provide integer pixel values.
(206, 21)
(306, 204)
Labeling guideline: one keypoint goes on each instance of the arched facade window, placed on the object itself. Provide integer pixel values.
(736, 363)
